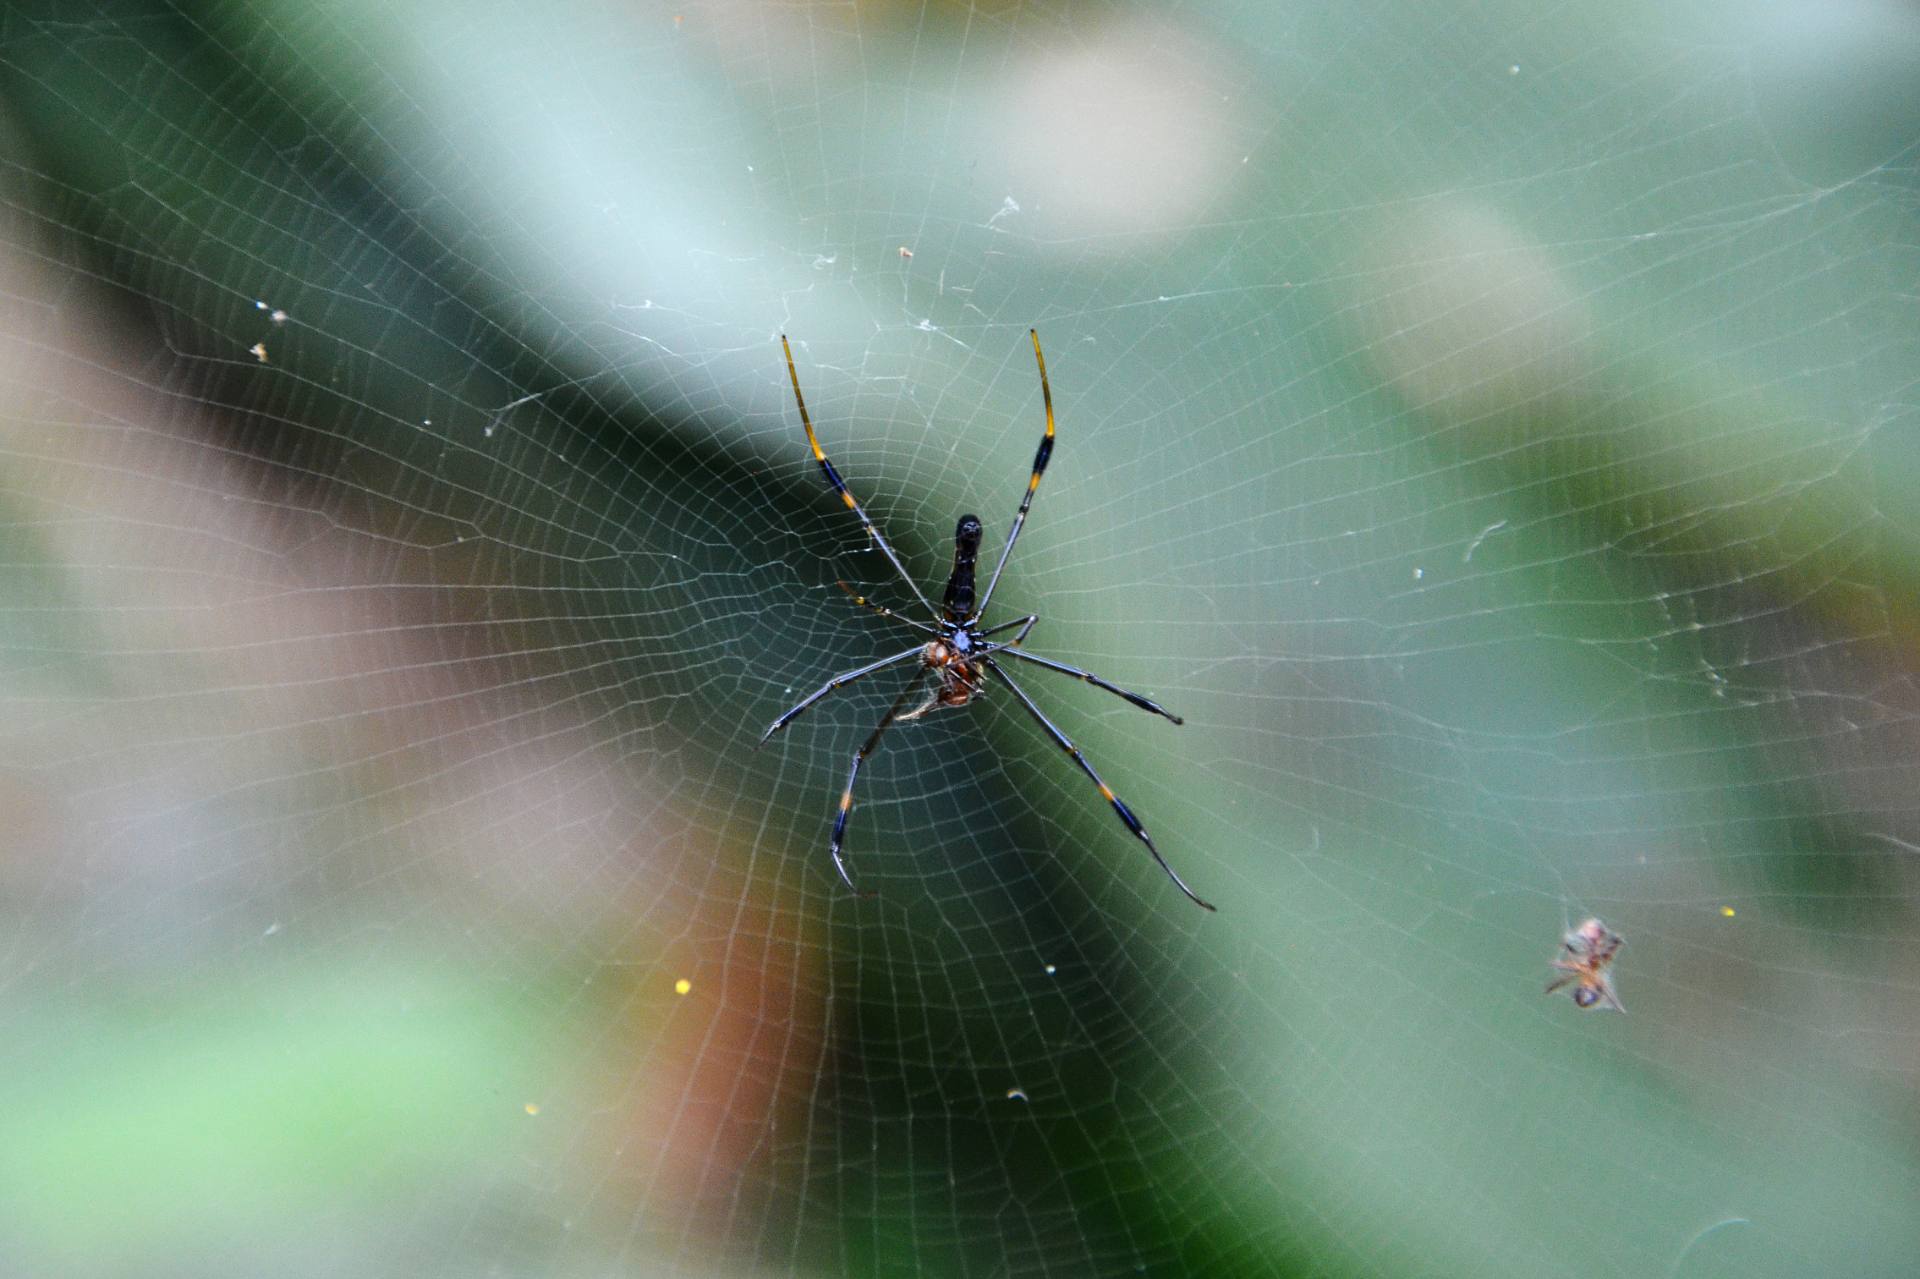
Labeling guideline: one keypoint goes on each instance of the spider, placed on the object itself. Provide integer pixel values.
(958, 651)
(1588, 951)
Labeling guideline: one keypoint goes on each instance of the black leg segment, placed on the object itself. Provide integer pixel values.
(853, 775)
(1125, 814)
(1145, 704)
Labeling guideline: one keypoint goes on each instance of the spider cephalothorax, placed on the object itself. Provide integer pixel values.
(957, 650)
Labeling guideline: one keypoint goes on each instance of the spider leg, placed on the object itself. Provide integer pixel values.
(1560, 983)
(1127, 818)
(886, 612)
(1039, 466)
(859, 758)
(840, 486)
(1024, 623)
(1089, 677)
(838, 681)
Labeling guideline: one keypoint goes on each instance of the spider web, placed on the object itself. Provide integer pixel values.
(1490, 426)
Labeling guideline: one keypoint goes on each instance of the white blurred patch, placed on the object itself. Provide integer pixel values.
(1465, 313)
(1131, 131)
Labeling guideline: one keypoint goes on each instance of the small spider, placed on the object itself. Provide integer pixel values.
(1587, 952)
(958, 649)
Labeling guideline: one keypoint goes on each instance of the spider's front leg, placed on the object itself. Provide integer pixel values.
(853, 775)
(837, 682)
(1026, 624)
(1087, 677)
(1125, 814)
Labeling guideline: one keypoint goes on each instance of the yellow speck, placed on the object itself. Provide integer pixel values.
(682, 986)
(1033, 483)
(848, 499)
(1727, 911)
(532, 1108)
(258, 351)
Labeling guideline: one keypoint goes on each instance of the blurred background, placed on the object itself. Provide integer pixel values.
(1491, 426)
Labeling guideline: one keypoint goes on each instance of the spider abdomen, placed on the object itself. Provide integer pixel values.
(966, 550)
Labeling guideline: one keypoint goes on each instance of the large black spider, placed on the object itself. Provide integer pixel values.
(957, 648)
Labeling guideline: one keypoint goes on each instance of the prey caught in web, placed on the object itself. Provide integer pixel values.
(1587, 953)
(959, 652)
